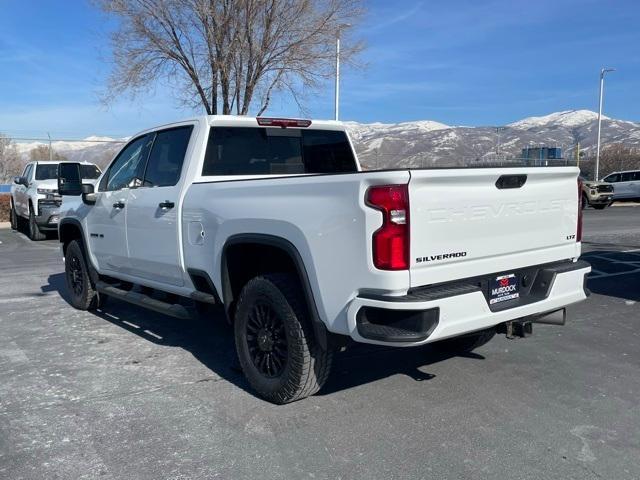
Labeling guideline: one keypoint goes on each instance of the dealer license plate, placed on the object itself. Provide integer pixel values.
(503, 288)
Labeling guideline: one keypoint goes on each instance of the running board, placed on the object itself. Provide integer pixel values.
(203, 297)
(142, 300)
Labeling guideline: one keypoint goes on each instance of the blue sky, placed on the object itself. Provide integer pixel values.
(457, 62)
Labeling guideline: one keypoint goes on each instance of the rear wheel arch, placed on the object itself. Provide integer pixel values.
(246, 256)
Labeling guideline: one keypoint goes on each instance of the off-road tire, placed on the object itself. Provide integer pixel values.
(81, 290)
(600, 207)
(13, 217)
(34, 231)
(465, 343)
(585, 202)
(306, 364)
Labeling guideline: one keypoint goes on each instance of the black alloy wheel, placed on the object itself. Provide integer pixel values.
(267, 340)
(75, 276)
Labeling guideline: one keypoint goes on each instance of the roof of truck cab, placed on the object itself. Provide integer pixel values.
(241, 121)
(244, 121)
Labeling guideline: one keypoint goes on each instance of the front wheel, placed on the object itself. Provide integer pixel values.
(275, 343)
(600, 207)
(464, 343)
(13, 217)
(34, 231)
(585, 202)
(81, 289)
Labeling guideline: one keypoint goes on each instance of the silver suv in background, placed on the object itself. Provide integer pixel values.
(35, 199)
(626, 184)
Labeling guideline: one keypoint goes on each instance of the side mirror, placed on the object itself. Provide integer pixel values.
(69, 179)
(88, 195)
(21, 181)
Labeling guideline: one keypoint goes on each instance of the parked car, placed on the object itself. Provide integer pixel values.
(626, 184)
(273, 219)
(598, 195)
(35, 199)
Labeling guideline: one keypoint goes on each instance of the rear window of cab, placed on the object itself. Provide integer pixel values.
(277, 151)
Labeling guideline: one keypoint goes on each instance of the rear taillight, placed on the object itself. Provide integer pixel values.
(391, 240)
(580, 200)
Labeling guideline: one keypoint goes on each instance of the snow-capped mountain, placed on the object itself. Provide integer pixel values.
(429, 143)
(94, 149)
(569, 118)
(405, 144)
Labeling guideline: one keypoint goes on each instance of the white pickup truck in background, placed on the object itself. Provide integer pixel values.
(35, 199)
(274, 219)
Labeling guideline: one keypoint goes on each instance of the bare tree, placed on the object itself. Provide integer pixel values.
(10, 162)
(617, 157)
(227, 56)
(41, 153)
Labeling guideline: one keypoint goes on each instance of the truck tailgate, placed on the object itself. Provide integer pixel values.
(462, 224)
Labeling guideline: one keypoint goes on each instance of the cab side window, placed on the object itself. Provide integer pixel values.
(167, 156)
(27, 172)
(613, 178)
(627, 177)
(127, 170)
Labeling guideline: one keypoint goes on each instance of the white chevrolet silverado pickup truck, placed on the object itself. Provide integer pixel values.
(35, 199)
(273, 219)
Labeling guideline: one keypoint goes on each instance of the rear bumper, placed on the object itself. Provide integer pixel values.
(456, 309)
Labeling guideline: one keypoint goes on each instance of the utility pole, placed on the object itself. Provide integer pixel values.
(498, 130)
(337, 88)
(602, 73)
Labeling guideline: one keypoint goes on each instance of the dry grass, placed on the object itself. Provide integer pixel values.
(4, 207)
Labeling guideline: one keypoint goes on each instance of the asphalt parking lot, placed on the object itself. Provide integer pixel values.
(127, 393)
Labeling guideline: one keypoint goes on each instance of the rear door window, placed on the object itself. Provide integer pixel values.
(628, 176)
(167, 156)
(276, 151)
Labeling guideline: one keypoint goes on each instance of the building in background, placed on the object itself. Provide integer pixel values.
(541, 155)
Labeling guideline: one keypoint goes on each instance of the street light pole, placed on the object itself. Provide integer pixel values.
(337, 88)
(602, 73)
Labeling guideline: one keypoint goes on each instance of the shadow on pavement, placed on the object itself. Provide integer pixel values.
(211, 342)
(614, 273)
